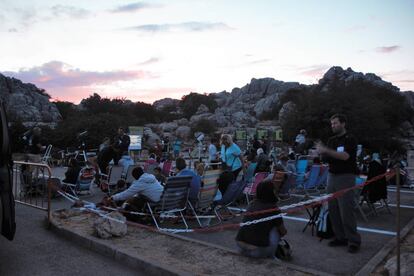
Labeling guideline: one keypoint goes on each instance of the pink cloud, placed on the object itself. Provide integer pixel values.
(387, 49)
(314, 71)
(63, 81)
(403, 79)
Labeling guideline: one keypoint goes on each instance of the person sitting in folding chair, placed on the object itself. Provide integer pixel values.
(180, 166)
(260, 240)
(145, 188)
(72, 173)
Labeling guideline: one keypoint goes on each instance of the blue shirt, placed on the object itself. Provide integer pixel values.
(195, 182)
(231, 155)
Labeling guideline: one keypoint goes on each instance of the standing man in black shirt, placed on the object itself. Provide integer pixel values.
(340, 153)
(121, 144)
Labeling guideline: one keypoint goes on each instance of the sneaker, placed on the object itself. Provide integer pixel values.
(353, 248)
(336, 242)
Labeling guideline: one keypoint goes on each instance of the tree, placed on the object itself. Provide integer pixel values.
(191, 102)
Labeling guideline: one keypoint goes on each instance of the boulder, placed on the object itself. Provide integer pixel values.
(168, 127)
(184, 132)
(202, 109)
(112, 226)
(150, 137)
(182, 122)
(284, 112)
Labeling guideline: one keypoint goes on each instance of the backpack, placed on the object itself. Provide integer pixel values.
(283, 250)
(323, 225)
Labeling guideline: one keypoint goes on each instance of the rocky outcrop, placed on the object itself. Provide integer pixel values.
(338, 76)
(253, 99)
(166, 102)
(183, 132)
(27, 103)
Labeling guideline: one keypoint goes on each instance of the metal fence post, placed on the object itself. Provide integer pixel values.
(397, 182)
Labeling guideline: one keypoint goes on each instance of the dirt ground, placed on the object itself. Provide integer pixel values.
(171, 252)
(407, 246)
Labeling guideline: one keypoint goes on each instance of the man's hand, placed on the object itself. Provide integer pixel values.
(321, 148)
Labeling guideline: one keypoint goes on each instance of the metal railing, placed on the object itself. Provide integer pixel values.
(32, 185)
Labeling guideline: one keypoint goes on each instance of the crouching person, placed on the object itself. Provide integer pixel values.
(260, 240)
(145, 188)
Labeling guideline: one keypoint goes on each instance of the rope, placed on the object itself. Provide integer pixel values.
(287, 210)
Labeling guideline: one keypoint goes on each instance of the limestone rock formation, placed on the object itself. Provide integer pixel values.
(337, 75)
(27, 103)
(166, 102)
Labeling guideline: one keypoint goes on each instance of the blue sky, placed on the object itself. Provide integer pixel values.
(146, 51)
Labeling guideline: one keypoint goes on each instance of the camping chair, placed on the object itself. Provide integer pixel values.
(300, 170)
(206, 195)
(234, 191)
(47, 157)
(112, 178)
(250, 190)
(310, 184)
(364, 198)
(250, 172)
(173, 200)
(84, 183)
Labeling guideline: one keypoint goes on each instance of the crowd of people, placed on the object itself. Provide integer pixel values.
(257, 240)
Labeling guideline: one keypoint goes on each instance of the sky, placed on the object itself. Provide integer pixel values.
(149, 50)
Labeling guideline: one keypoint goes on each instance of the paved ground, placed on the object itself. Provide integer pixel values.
(308, 250)
(38, 251)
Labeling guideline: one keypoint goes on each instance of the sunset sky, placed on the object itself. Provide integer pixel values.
(150, 50)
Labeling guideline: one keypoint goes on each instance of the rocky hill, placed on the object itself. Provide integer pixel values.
(27, 103)
(242, 107)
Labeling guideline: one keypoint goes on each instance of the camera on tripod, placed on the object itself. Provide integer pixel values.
(81, 138)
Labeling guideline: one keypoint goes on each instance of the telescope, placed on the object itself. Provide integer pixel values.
(82, 133)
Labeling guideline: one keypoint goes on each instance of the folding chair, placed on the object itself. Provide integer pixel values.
(112, 178)
(173, 200)
(250, 190)
(310, 184)
(234, 191)
(206, 195)
(301, 165)
(250, 172)
(47, 157)
(84, 183)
